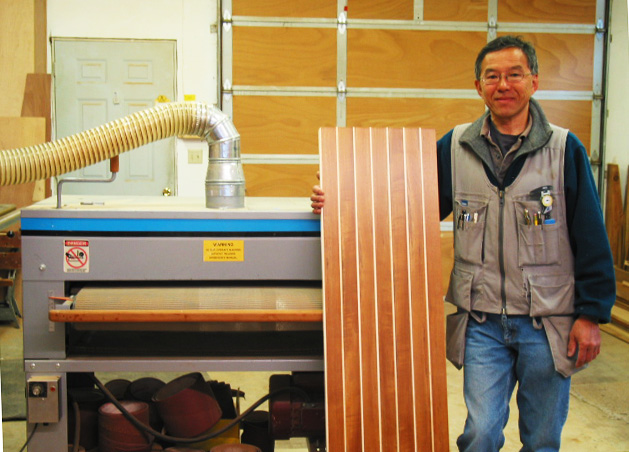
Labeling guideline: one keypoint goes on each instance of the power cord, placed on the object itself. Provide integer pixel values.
(139, 425)
(30, 437)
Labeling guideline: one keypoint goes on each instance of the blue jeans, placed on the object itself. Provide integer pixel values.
(498, 353)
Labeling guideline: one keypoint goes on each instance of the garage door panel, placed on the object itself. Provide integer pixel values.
(548, 11)
(566, 61)
(571, 114)
(280, 180)
(381, 9)
(456, 10)
(438, 114)
(282, 124)
(270, 56)
(282, 8)
(412, 59)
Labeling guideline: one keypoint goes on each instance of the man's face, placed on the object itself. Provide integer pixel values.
(507, 100)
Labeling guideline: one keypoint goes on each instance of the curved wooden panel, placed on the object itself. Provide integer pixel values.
(438, 114)
(412, 59)
(463, 10)
(282, 8)
(281, 124)
(547, 11)
(280, 180)
(284, 56)
(383, 313)
(566, 61)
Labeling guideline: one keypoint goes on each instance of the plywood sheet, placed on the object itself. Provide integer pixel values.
(548, 11)
(438, 114)
(16, 133)
(36, 102)
(412, 59)
(282, 124)
(456, 10)
(280, 56)
(383, 308)
(282, 8)
(381, 9)
(17, 44)
(575, 115)
(566, 61)
(280, 179)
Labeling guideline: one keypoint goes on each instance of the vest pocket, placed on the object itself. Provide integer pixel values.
(456, 326)
(551, 295)
(538, 244)
(460, 289)
(469, 222)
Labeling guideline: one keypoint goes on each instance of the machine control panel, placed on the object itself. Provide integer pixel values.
(43, 399)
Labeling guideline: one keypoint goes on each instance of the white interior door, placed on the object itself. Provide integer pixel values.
(97, 81)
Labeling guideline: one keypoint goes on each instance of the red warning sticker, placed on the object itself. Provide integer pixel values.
(76, 256)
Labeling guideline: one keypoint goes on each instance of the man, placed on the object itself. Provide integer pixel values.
(533, 273)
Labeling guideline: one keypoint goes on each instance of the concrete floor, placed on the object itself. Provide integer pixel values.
(598, 419)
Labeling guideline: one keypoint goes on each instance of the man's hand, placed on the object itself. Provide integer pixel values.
(586, 337)
(317, 197)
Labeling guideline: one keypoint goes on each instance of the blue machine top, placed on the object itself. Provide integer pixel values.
(163, 215)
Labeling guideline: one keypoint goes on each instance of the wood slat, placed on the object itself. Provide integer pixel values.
(625, 236)
(383, 314)
(36, 101)
(614, 211)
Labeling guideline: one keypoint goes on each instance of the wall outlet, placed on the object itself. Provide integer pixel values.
(195, 156)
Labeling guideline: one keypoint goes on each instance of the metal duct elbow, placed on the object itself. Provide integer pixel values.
(225, 185)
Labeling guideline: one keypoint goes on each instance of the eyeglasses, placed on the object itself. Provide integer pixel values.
(513, 77)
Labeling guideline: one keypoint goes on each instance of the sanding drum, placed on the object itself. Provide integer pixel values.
(117, 434)
(187, 406)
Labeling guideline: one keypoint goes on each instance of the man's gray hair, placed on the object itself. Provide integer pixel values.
(505, 42)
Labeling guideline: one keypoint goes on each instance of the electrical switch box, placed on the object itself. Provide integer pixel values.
(195, 156)
(43, 399)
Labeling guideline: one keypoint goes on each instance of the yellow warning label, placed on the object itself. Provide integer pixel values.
(223, 250)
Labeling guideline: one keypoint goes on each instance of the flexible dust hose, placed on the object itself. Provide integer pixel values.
(224, 184)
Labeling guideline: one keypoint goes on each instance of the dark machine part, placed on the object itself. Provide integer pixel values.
(290, 415)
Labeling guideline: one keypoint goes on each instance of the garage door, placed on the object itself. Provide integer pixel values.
(289, 68)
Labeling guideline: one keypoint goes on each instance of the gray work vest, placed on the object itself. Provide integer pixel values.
(508, 254)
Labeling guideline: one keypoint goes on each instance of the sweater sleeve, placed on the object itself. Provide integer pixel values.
(595, 286)
(444, 174)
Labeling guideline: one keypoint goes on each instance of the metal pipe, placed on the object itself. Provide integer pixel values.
(224, 184)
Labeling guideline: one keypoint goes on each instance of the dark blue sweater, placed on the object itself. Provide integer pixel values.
(595, 286)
